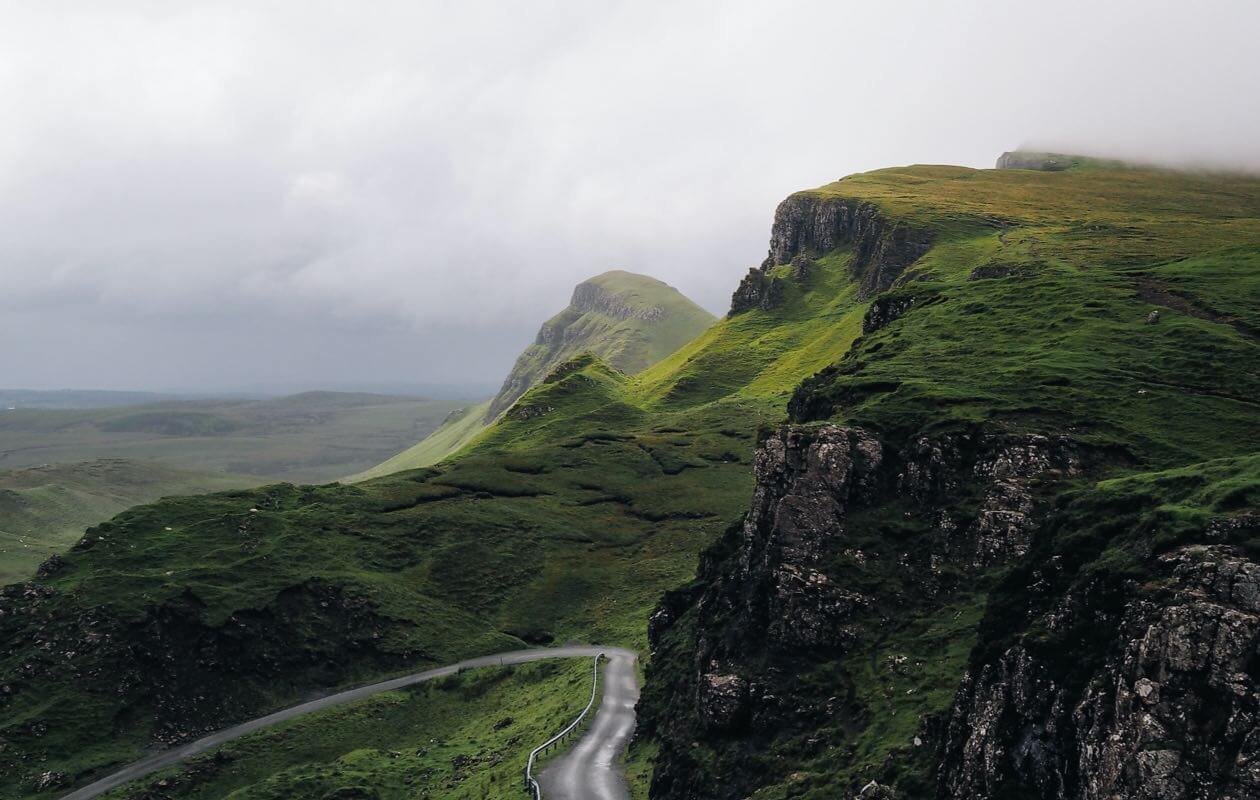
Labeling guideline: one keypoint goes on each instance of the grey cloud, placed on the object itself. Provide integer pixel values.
(201, 195)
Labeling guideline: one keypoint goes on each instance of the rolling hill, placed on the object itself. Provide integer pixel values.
(889, 527)
(69, 460)
(313, 436)
(45, 509)
(629, 321)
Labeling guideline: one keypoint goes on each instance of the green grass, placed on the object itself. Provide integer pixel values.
(565, 525)
(463, 738)
(456, 430)
(1065, 341)
(629, 321)
(63, 470)
(637, 767)
(598, 490)
(1165, 415)
(637, 322)
(45, 509)
(1104, 538)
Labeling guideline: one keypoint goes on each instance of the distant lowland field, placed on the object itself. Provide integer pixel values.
(69, 460)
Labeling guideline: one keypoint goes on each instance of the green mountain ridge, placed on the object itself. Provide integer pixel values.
(975, 388)
(630, 321)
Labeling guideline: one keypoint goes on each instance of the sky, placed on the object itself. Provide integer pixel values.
(216, 196)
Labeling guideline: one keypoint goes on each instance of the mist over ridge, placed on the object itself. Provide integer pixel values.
(295, 194)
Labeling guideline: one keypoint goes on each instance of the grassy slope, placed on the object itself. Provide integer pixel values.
(629, 344)
(635, 345)
(44, 510)
(566, 525)
(1065, 342)
(68, 468)
(1062, 346)
(455, 431)
(572, 514)
(464, 738)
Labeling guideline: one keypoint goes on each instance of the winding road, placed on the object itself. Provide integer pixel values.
(593, 779)
(588, 771)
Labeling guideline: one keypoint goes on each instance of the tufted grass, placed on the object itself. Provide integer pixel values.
(570, 521)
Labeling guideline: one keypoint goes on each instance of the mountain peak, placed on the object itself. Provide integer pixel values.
(629, 320)
(623, 295)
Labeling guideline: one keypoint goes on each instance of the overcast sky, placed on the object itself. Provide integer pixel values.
(217, 195)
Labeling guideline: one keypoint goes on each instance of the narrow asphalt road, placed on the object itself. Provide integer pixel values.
(173, 756)
(588, 771)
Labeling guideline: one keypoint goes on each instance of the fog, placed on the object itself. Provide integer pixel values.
(212, 196)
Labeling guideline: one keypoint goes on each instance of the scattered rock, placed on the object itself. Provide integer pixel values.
(528, 412)
(723, 700)
(50, 780)
(757, 290)
(993, 271)
(51, 565)
(887, 309)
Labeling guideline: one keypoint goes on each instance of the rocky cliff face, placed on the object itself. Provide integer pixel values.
(845, 534)
(1087, 681)
(188, 675)
(807, 225)
(590, 296)
(1046, 162)
(765, 652)
(1169, 711)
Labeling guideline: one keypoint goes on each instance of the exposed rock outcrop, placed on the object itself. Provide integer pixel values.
(1046, 162)
(805, 482)
(722, 700)
(172, 665)
(1171, 712)
(997, 270)
(887, 309)
(816, 224)
(591, 296)
(774, 598)
(808, 225)
(758, 289)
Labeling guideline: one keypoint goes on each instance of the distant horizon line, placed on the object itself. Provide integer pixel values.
(470, 389)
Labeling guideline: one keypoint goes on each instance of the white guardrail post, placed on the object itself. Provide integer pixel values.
(531, 785)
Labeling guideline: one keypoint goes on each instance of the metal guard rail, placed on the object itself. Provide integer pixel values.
(531, 785)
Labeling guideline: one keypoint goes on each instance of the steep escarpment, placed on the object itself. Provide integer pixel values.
(1169, 711)
(1002, 433)
(829, 620)
(807, 225)
(630, 321)
(1007, 549)
(819, 647)
(1120, 660)
(186, 674)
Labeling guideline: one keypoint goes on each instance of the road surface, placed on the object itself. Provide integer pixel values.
(173, 756)
(588, 771)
